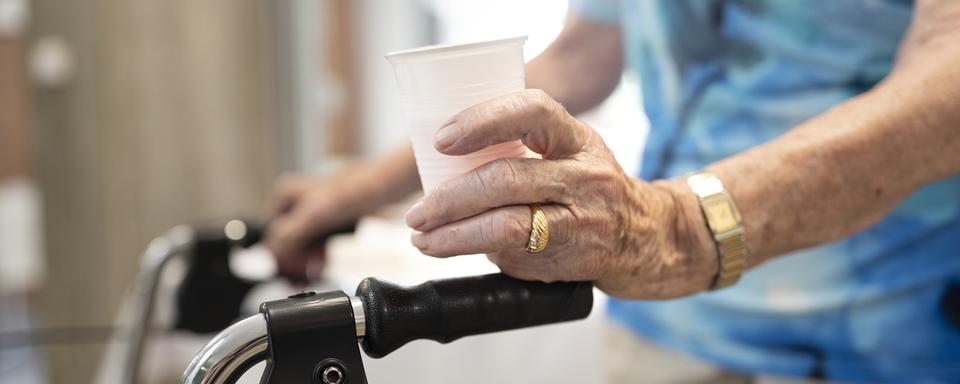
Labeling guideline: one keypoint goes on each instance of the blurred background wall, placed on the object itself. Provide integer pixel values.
(147, 114)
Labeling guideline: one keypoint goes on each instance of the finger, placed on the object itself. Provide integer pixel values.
(286, 233)
(291, 260)
(287, 238)
(287, 190)
(529, 115)
(493, 231)
(496, 184)
(290, 234)
(292, 266)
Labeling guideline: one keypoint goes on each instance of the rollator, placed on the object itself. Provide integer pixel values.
(316, 337)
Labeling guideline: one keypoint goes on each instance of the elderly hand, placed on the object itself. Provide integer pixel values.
(304, 208)
(633, 239)
(301, 207)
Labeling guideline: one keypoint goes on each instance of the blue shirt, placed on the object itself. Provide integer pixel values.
(719, 77)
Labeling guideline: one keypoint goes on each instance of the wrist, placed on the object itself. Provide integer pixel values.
(354, 191)
(394, 177)
(694, 242)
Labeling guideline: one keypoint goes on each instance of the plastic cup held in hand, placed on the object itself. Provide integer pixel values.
(437, 82)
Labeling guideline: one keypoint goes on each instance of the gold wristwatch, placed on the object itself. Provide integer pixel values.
(725, 224)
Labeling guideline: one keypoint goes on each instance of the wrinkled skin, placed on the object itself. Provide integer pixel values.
(633, 239)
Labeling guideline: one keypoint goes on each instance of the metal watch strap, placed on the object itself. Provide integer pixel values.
(725, 224)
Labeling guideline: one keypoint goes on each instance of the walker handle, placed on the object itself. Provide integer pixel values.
(446, 310)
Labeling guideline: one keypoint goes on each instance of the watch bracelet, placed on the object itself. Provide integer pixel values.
(730, 242)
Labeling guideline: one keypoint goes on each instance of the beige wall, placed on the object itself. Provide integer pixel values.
(13, 142)
(168, 119)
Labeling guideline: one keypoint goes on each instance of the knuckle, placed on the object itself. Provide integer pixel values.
(502, 177)
(562, 187)
(539, 102)
(565, 193)
(603, 176)
(470, 115)
(607, 173)
(511, 104)
(482, 179)
(513, 227)
(487, 230)
(509, 172)
(434, 204)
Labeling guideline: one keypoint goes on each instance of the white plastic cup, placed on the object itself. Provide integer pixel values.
(437, 82)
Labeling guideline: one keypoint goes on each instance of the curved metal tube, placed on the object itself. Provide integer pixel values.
(175, 242)
(230, 353)
(242, 345)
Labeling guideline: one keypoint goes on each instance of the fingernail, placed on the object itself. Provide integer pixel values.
(446, 136)
(416, 217)
(419, 240)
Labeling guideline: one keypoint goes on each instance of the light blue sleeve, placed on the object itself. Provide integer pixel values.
(607, 11)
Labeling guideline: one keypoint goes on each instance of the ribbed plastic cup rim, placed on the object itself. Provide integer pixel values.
(431, 96)
(452, 50)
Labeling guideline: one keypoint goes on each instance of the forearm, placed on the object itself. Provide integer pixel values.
(387, 179)
(581, 67)
(845, 169)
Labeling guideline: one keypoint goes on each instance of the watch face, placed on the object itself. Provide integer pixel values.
(720, 216)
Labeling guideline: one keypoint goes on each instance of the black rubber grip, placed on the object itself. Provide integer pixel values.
(446, 310)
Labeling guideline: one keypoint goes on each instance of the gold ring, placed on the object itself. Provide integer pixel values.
(539, 230)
